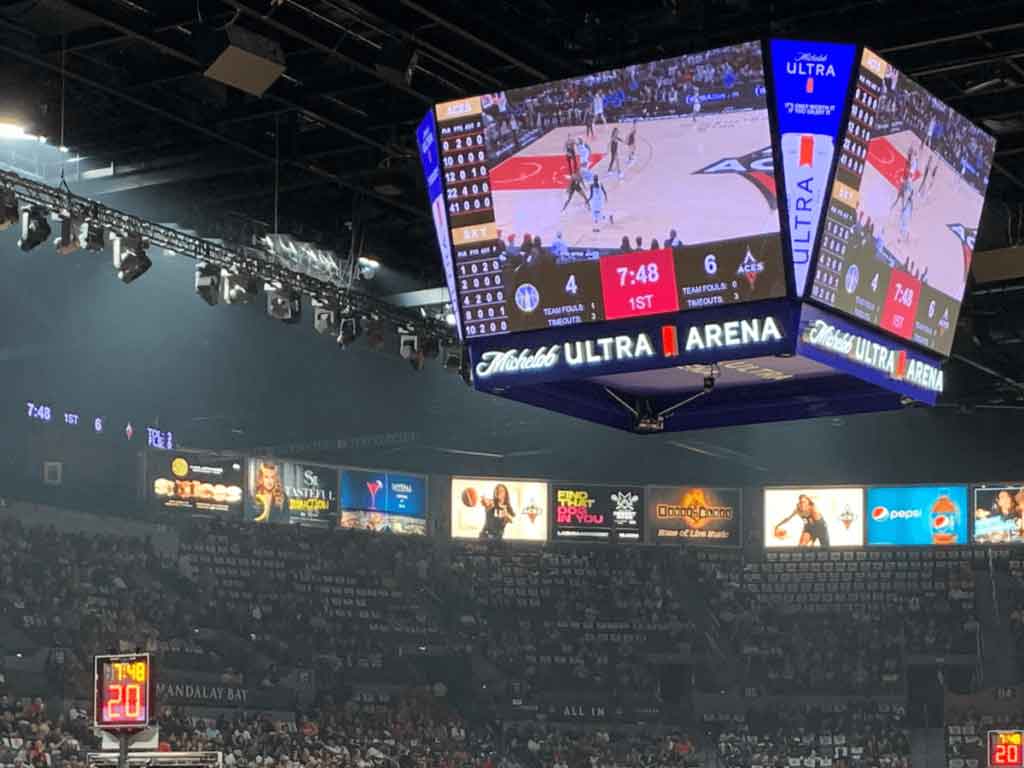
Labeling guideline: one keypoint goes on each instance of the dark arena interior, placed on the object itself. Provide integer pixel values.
(337, 436)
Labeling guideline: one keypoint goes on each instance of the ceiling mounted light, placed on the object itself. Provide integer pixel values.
(34, 228)
(130, 259)
(368, 268)
(325, 319)
(283, 303)
(238, 288)
(348, 331)
(8, 208)
(208, 282)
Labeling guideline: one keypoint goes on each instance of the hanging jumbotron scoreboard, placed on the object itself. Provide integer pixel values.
(768, 231)
(123, 700)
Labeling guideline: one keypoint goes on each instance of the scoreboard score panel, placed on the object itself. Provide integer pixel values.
(123, 692)
(1006, 749)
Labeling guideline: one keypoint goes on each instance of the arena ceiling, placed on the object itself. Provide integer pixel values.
(123, 81)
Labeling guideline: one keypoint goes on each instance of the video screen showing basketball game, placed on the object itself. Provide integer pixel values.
(632, 192)
(904, 210)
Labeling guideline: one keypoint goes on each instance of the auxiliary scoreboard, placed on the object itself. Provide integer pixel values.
(1006, 749)
(123, 692)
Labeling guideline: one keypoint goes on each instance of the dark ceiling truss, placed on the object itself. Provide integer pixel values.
(340, 118)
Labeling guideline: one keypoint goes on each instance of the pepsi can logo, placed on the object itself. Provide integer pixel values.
(879, 513)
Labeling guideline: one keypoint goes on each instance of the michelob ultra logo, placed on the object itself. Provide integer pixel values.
(891, 361)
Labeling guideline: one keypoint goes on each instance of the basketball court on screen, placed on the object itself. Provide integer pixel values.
(931, 244)
(662, 190)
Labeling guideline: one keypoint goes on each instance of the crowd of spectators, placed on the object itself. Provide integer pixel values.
(842, 736)
(252, 603)
(720, 78)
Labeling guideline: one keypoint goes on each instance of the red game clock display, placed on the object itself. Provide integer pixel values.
(638, 284)
(122, 698)
(1005, 749)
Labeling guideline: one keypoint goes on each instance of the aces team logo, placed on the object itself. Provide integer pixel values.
(750, 268)
(756, 167)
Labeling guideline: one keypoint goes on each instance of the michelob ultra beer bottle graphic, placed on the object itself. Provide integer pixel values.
(806, 160)
(944, 519)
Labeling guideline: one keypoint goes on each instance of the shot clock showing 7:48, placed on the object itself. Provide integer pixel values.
(122, 700)
(1006, 749)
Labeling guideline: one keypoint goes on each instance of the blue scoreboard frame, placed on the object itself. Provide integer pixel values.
(775, 359)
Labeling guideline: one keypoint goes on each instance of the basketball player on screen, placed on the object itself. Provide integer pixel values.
(613, 151)
(598, 197)
(570, 155)
(576, 187)
(631, 143)
(815, 527)
(498, 513)
(599, 108)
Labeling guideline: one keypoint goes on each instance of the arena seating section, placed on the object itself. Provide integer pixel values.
(255, 604)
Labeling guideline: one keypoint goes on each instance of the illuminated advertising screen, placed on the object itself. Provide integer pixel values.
(809, 85)
(597, 512)
(917, 515)
(426, 143)
(383, 501)
(999, 513)
(694, 514)
(813, 517)
(904, 209)
(290, 492)
(495, 509)
(601, 197)
(195, 483)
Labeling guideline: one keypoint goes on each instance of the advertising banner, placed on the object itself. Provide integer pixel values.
(813, 517)
(383, 501)
(809, 83)
(201, 485)
(692, 513)
(917, 515)
(586, 512)
(999, 513)
(289, 492)
(496, 509)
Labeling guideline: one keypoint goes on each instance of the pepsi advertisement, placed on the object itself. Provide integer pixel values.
(917, 516)
(810, 83)
(392, 502)
(597, 512)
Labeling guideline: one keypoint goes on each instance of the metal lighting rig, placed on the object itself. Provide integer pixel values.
(243, 260)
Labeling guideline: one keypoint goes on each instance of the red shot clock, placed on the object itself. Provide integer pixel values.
(123, 700)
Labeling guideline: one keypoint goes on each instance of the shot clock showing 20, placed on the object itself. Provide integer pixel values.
(122, 700)
(1006, 749)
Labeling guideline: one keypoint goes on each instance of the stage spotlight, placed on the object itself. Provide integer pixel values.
(72, 235)
(34, 228)
(238, 288)
(283, 303)
(95, 238)
(408, 345)
(8, 208)
(325, 319)
(130, 259)
(348, 332)
(453, 359)
(368, 268)
(208, 282)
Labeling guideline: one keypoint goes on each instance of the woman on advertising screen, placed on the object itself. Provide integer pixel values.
(815, 527)
(499, 513)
